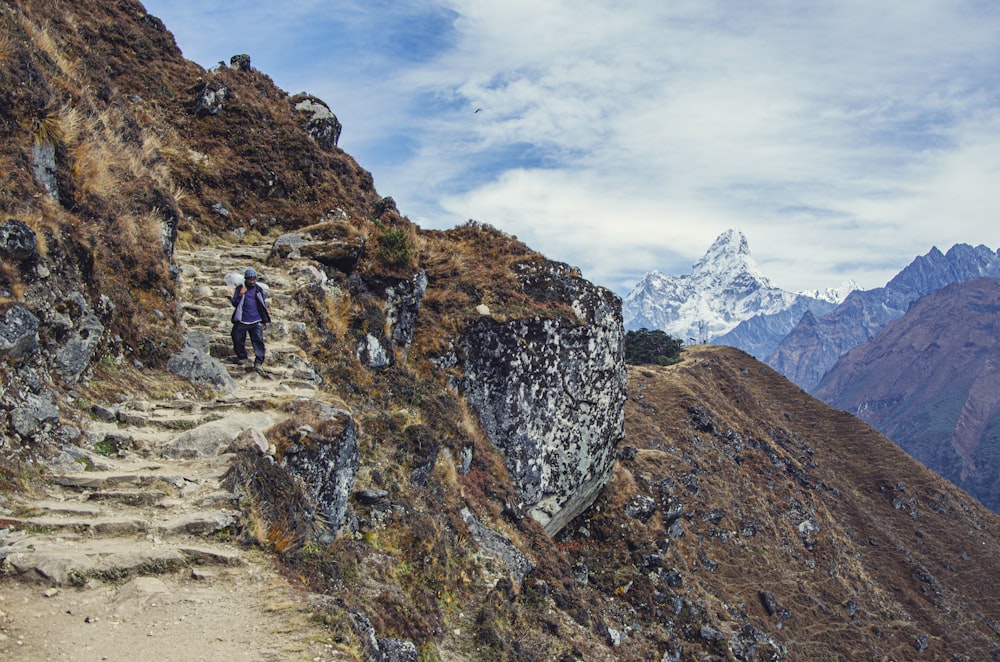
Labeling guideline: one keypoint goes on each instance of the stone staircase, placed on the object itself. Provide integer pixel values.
(147, 499)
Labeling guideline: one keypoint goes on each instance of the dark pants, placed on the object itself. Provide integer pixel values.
(239, 334)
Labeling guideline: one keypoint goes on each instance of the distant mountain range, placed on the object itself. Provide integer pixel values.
(725, 288)
(817, 341)
(930, 381)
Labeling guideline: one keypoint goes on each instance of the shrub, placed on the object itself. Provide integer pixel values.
(651, 347)
(394, 246)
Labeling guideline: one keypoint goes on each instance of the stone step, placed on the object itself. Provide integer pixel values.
(104, 480)
(67, 562)
(128, 497)
(87, 525)
(62, 508)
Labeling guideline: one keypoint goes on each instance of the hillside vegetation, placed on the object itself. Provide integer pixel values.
(740, 518)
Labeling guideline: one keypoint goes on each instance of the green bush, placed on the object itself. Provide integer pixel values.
(394, 246)
(651, 347)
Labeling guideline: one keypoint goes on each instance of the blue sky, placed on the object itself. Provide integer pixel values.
(843, 137)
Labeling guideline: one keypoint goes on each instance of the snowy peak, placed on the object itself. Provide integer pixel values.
(724, 288)
(833, 294)
(728, 260)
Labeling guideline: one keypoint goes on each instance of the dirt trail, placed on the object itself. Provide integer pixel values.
(127, 558)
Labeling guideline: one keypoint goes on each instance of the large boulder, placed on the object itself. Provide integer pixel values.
(319, 121)
(75, 354)
(550, 391)
(326, 457)
(195, 363)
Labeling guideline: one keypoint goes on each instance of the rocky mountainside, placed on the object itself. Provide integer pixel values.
(441, 460)
(805, 532)
(929, 382)
(816, 342)
(725, 287)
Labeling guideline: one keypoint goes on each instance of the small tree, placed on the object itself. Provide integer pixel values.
(651, 347)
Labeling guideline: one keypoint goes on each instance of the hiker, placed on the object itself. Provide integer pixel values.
(251, 317)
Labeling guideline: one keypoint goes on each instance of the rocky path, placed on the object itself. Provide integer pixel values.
(128, 557)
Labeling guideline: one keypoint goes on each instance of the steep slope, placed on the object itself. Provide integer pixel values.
(724, 288)
(929, 381)
(815, 344)
(752, 521)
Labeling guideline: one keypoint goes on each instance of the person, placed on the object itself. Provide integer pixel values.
(250, 317)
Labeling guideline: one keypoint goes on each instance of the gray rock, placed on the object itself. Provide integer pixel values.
(240, 62)
(402, 306)
(397, 650)
(769, 602)
(212, 438)
(17, 240)
(333, 244)
(498, 546)
(749, 644)
(289, 246)
(640, 507)
(550, 393)
(195, 363)
(211, 99)
(43, 163)
(709, 633)
(466, 461)
(74, 356)
(103, 413)
(327, 462)
(37, 410)
(321, 124)
(19, 333)
(250, 439)
(373, 353)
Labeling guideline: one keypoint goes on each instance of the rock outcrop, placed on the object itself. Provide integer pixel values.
(550, 393)
(321, 124)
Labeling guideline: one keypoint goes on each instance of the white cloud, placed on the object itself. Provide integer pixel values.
(843, 137)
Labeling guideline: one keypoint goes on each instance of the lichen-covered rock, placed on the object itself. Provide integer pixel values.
(326, 458)
(211, 99)
(73, 357)
(550, 392)
(322, 125)
(19, 333)
(402, 306)
(499, 546)
(17, 240)
(240, 62)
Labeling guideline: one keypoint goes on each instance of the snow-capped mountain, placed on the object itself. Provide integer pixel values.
(833, 294)
(724, 288)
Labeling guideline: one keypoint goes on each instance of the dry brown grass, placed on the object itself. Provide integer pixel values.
(44, 38)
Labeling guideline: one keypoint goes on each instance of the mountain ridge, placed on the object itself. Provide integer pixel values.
(815, 344)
